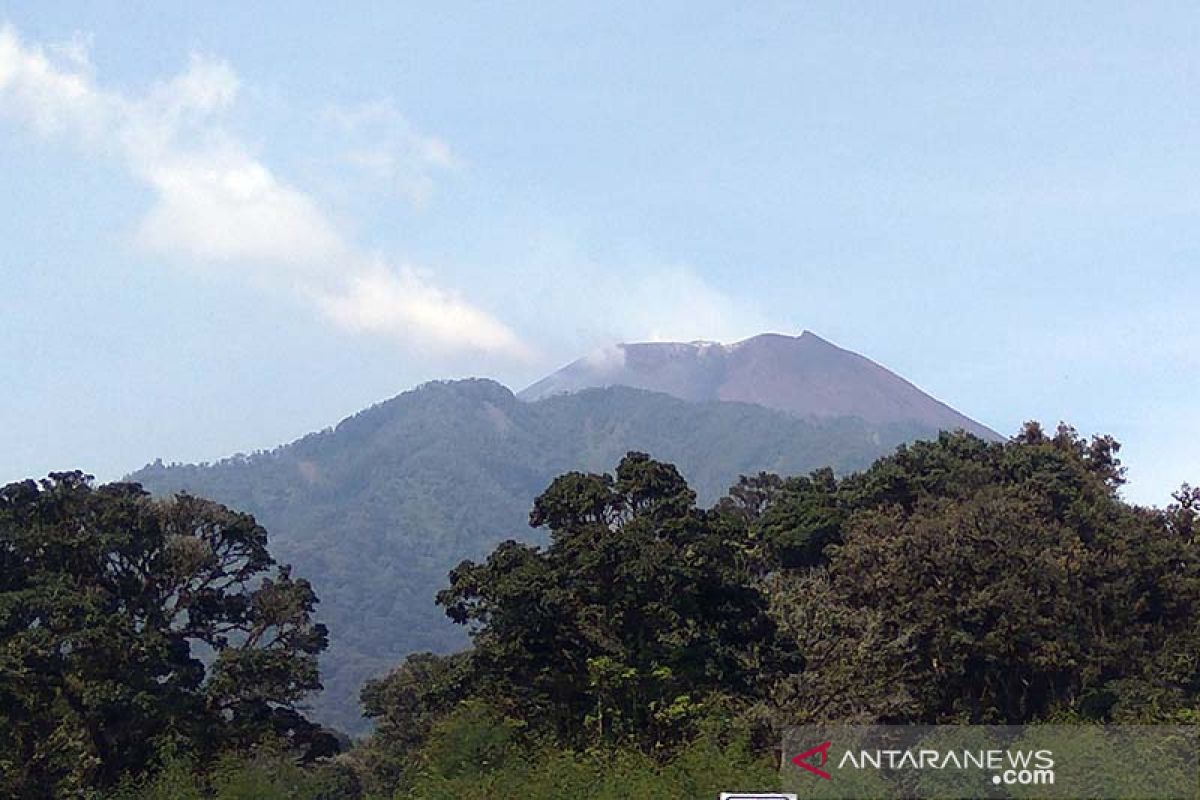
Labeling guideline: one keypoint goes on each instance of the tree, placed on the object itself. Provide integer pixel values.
(784, 523)
(957, 580)
(638, 611)
(969, 581)
(130, 625)
(406, 704)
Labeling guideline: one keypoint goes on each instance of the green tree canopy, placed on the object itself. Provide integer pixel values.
(992, 582)
(639, 608)
(130, 625)
(956, 580)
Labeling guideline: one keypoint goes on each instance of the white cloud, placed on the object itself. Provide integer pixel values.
(674, 304)
(214, 207)
(380, 142)
(608, 358)
(207, 87)
(584, 302)
(387, 301)
(51, 99)
(217, 203)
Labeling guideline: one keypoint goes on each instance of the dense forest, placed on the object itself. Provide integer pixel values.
(650, 647)
(376, 511)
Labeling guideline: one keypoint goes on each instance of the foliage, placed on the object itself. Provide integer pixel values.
(789, 521)
(995, 582)
(649, 648)
(957, 580)
(270, 770)
(702, 769)
(108, 600)
(636, 611)
(406, 704)
(376, 511)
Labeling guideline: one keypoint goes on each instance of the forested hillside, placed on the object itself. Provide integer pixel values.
(376, 511)
(649, 647)
(957, 581)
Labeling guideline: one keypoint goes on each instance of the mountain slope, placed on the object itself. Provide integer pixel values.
(802, 375)
(376, 511)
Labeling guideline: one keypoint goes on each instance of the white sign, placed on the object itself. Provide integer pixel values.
(755, 796)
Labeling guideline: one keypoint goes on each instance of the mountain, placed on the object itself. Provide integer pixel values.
(802, 375)
(377, 510)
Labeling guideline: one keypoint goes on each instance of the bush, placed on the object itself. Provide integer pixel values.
(702, 769)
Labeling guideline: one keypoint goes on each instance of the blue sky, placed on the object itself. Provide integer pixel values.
(224, 227)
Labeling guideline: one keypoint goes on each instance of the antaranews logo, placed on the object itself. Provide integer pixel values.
(802, 760)
(977, 761)
(1024, 767)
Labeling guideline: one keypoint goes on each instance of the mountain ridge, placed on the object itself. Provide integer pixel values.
(377, 509)
(804, 375)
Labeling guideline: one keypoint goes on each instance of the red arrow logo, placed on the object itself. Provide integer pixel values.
(802, 760)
